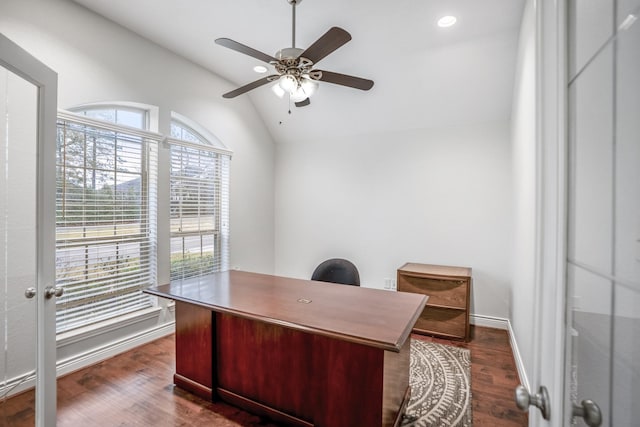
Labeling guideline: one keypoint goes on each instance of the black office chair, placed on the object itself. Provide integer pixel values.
(337, 270)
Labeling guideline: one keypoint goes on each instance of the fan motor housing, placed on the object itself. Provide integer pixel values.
(288, 53)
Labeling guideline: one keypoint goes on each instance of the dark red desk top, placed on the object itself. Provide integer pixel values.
(371, 317)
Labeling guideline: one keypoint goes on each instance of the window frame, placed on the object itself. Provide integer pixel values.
(146, 237)
(220, 230)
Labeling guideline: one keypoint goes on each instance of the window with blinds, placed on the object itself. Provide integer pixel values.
(199, 204)
(105, 218)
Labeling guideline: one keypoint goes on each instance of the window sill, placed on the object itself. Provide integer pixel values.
(109, 325)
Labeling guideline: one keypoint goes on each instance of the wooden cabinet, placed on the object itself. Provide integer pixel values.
(448, 288)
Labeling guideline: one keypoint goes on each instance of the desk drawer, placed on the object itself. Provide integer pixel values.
(442, 292)
(442, 321)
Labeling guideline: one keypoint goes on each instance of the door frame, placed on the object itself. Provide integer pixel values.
(551, 205)
(23, 64)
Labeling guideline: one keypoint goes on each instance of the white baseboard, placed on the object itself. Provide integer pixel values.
(522, 373)
(98, 354)
(91, 357)
(489, 321)
(505, 324)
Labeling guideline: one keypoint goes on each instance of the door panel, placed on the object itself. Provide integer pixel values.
(626, 358)
(18, 245)
(627, 261)
(590, 175)
(626, 333)
(28, 100)
(603, 251)
(589, 368)
(590, 23)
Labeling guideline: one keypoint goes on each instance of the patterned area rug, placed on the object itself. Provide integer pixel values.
(440, 386)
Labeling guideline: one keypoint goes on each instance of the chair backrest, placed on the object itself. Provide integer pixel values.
(337, 270)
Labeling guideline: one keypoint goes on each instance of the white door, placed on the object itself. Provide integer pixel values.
(588, 335)
(28, 101)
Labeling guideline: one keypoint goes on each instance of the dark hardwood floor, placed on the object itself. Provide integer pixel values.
(135, 389)
(494, 377)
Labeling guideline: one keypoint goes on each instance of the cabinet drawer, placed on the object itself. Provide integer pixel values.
(450, 292)
(442, 321)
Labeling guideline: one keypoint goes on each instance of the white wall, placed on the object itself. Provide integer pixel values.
(99, 61)
(439, 196)
(523, 135)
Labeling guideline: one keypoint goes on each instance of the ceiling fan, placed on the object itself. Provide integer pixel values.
(295, 67)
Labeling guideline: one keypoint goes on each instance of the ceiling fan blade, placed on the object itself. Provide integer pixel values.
(330, 41)
(303, 103)
(239, 47)
(248, 87)
(345, 80)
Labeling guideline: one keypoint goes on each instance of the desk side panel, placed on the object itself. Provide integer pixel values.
(396, 384)
(194, 349)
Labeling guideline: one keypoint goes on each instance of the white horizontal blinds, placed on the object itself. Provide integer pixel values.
(199, 205)
(105, 220)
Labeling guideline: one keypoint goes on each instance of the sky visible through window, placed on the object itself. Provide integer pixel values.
(132, 118)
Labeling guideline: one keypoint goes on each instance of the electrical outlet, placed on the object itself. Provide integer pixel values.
(390, 284)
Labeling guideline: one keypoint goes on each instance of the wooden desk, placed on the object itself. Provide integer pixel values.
(303, 353)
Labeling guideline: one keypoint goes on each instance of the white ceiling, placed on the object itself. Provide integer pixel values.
(425, 76)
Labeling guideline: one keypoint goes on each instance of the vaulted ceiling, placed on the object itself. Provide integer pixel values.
(425, 76)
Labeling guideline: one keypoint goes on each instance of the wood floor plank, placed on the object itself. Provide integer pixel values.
(135, 389)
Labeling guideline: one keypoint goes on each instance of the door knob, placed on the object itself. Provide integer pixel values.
(540, 400)
(30, 292)
(50, 292)
(589, 412)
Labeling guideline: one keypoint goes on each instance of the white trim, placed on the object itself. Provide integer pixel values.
(490, 321)
(95, 355)
(90, 331)
(504, 324)
(187, 123)
(517, 357)
(151, 111)
(197, 146)
(101, 124)
(98, 354)
(549, 325)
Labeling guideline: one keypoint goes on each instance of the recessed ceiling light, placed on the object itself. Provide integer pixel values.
(260, 69)
(446, 21)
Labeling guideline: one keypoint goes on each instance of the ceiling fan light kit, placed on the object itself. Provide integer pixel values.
(296, 75)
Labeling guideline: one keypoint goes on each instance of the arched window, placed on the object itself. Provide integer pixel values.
(106, 214)
(199, 202)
